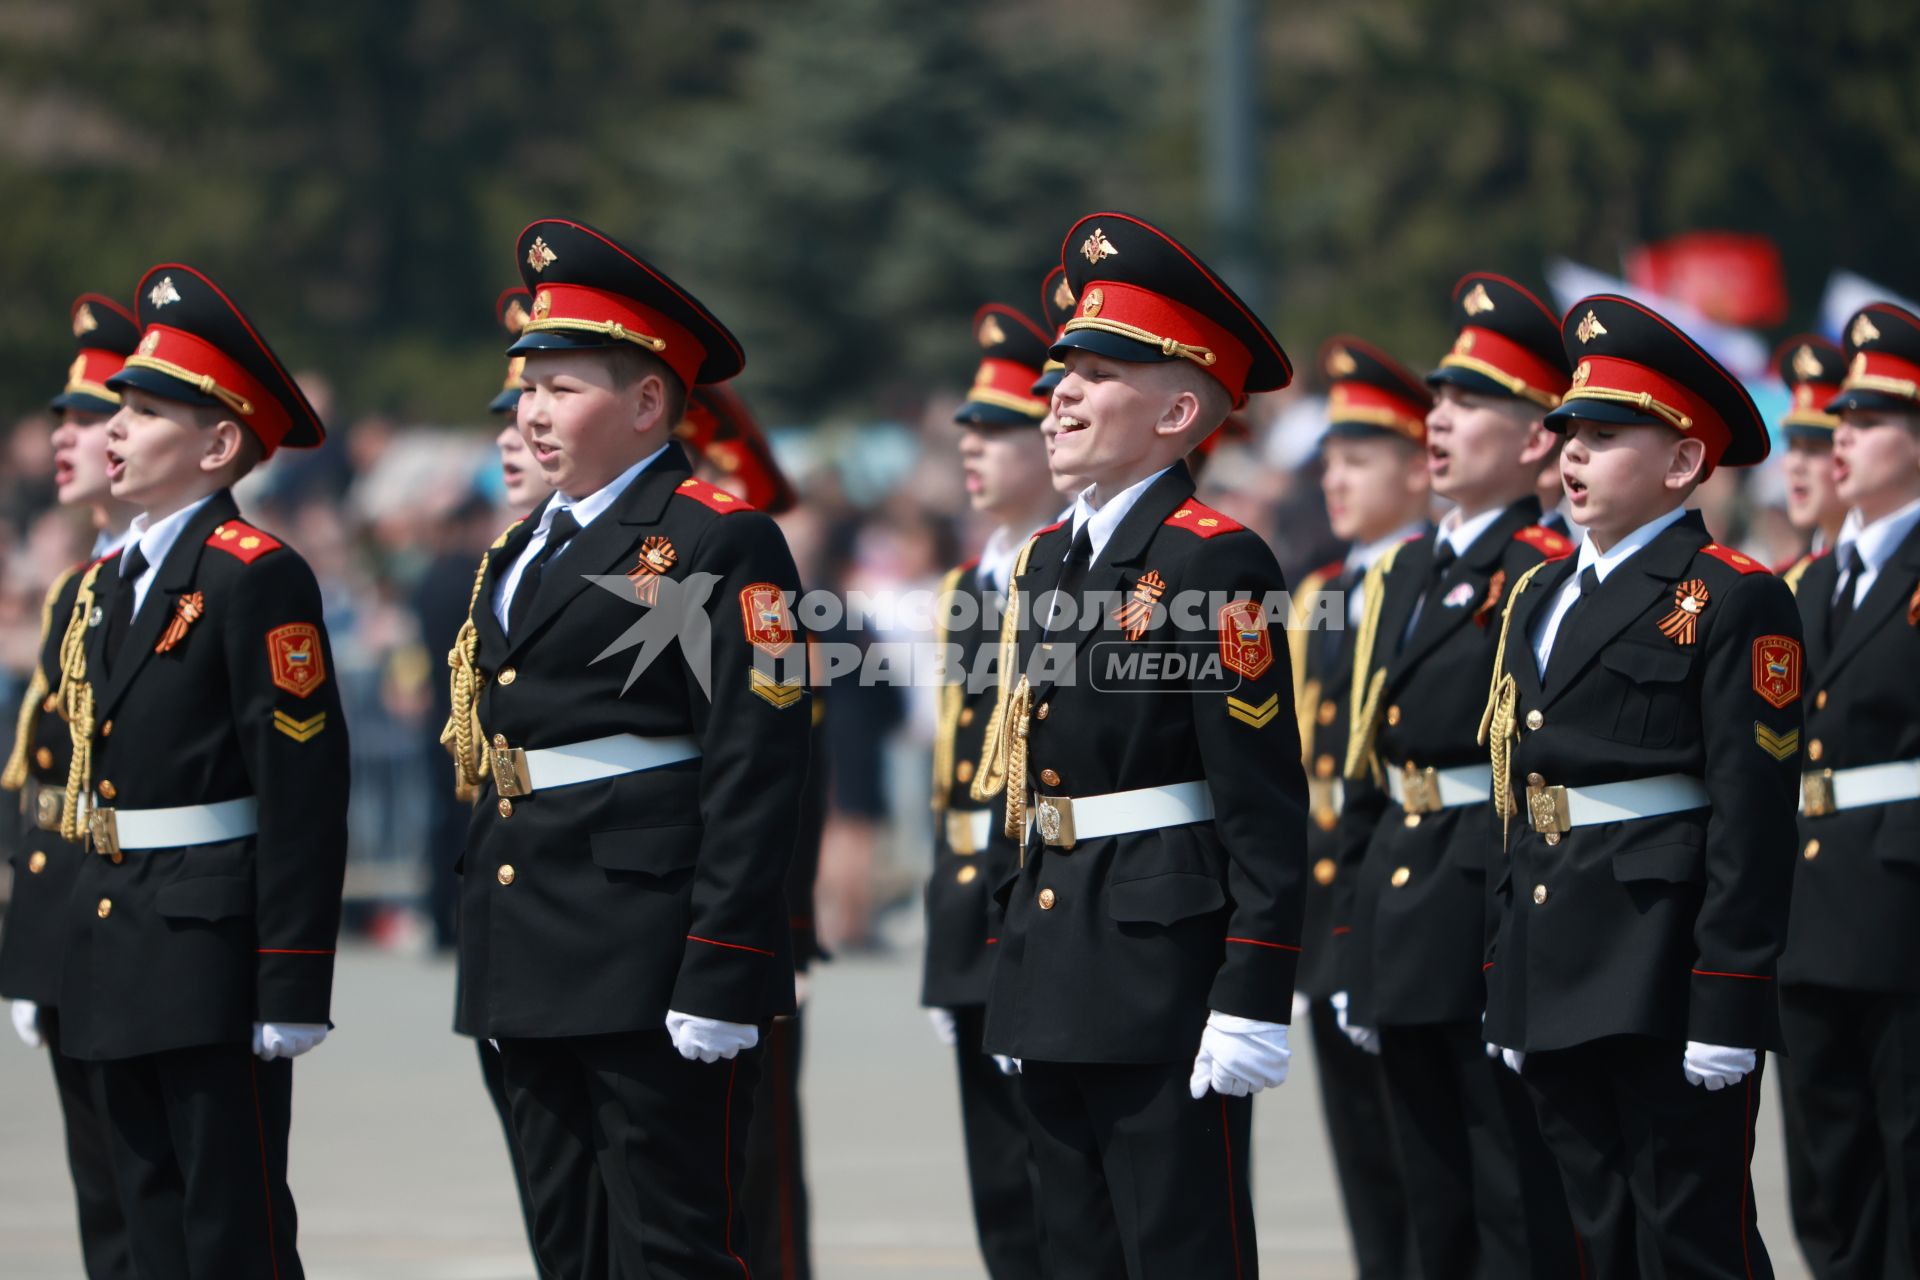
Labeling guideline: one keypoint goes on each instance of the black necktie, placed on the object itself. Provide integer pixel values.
(1443, 558)
(1589, 583)
(1849, 584)
(559, 533)
(1073, 573)
(120, 606)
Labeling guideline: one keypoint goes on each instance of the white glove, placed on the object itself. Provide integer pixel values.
(1239, 1056)
(1716, 1065)
(1008, 1066)
(802, 988)
(709, 1039)
(286, 1039)
(1514, 1058)
(943, 1029)
(26, 1024)
(1362, 1037)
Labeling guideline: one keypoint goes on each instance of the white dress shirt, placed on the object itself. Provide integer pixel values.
(1459, 533)
(1876, 543)
(1002, 549)
(154, 538)
(585, 510)
(1602, 564)
(107, 541)
(1101, 521)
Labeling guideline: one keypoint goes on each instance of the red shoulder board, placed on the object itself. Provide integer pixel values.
(712, 496)
(1057, 524)
(968, 566)
(1330, 571)
(1554, 546)
(1727, 555)
(242, 541)
(1199, 518)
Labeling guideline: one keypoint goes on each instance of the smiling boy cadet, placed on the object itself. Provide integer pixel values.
(1483, 1196)
(630, 708)
(1644, 723)
(1850, 978)
(1148, 949)
(209, 777)
(33, 943)
(1812, 368)
(1004, 458)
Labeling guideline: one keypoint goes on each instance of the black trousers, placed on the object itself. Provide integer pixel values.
(1813, 1225)
(1353, 1101)
(103, 1226)
(200, 1157)
(668, 1138)
(1136, 1178)
(1656, 1169)
(592, 1249)
(774, 1186)
(1001, 1172)
(1854, 1095)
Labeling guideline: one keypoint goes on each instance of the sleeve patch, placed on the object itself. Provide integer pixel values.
(1776, 670)
(294, 652)
(778, 693)
(300, 730)
(1245, 644)
(1553, 546)
(1258, 717)
(1777, 745)
(1728, 556)
(711, 496)
(1199, 518)
(242, 541)
(763, 613)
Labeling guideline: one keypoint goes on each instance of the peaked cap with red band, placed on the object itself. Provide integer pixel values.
(104, 335)
(1057, 305)
(1883, 361)
(720, 429)
(199, 348)
(1633, 366)
(590, 291)
(1813, 368)
(1371, 393)
(513, 308)
(1143, 297)
(1506, 343)
(1012, 350)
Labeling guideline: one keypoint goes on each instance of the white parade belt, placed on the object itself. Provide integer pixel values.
(1554, 811)
(519, 772)
(1831, 790)
(1064, 820)
(968, 830)
(1420, 790)
(116, 830)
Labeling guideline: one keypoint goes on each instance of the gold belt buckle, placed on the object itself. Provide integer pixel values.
(1420, 790)
(1816, 793)
(510, 769)
(104, 830)
(1320, 802)
(48, 807)
(960, 833)
(1053, 815)
(1547, 810)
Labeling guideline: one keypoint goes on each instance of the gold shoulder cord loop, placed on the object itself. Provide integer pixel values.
(1498, 728)
(1305, 701)
(14, 776)
(952, 694)
(462, 736)
(75, 701)
(1003, 756)
(1363, 724)
(1792, 576)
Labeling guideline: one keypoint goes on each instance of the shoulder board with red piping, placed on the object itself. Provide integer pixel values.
(1039, 533)
(1329, 571)
(242, 541)
(967, 566)
(100, 559)
(711, 496)
(1553, 546)
(1199, 518)
(1728, 556)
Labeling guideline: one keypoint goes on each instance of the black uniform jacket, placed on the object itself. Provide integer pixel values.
(223, 688)
(961, 915)
(1321, 646)
(1116, 949)
(33, 939)
(1665, 926)
(1420, 887)
(597, 907)
(1856, 886)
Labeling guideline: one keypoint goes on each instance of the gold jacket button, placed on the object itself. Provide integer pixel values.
(506, 807)
(1049, 777)
(1323, 767)
(1403, 874)
(508, 675)
(966, 874)
(1535, 719)
(1539, 895)
(500, 740)
(1324, 871)
(44, 758)
(1328, 712)
(505, 874)
(37, 863)
(966, 716)
(963, 772)
(1815, 750)
(1820, 700)
(1393, 715)
(107, 789)
(1411, 821)
(1046, 708)
(1552, 838)
(1046, 899)
(106, 730)
(1811, 852)
(1535, 780)
(105, 908)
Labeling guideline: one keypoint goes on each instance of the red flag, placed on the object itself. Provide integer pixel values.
(1727, 276)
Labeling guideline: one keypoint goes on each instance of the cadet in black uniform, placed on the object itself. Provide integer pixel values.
(1644, 723)
(33, 942)
(1375, 481)
(1850, 978)
(1150, 938)
(630, 707)
(1483, 1188)
(1004, 458)
(209, 776)
(1812, 367)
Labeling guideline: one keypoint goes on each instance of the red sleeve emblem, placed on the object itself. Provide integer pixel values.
(763, 610)
(294, 652)
(1245, 644)
(1776, 670)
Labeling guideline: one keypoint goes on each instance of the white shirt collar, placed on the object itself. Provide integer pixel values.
(997, 557)
(1460, 533)
(1361, 556)
(106, 541)
(586, 510)
(156, 537)
(1604, 563)
(1877, 541)
(1101, 522)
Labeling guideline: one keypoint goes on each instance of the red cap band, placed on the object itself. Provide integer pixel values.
(90, 370)
(1377, 407)
(1879, 371)
(579, 308)
(1615, 381)
(1008, 384)
(210, 371)
(1158, 321)
(1521, 370)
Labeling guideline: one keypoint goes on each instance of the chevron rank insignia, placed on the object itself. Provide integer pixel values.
(1777, 745)
(1259, 717)
(300, 730)
(781, 693)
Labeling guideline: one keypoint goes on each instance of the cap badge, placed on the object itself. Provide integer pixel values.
(1476, 302)
(542, 304)
(83, 321)
(991, 334)
(1806, 365)
(151, 341)
(1095, 300)
(1464, 343)
(1063, 295)
(1581, 374)
(1863, 331)
(1097, 246)
(162, 293)
(1340, 363)
(1590, 328)
(539, 256)
(1689, 602)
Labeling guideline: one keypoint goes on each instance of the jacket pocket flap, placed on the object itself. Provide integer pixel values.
(651, 850)
(1678, 863)
(206, 898)
(1646, 663)
(1164, 899)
